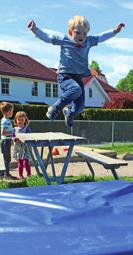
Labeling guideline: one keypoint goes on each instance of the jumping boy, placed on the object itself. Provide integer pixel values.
(73, 64)
(6, 136)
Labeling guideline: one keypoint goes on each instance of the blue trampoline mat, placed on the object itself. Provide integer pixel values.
(84, 218)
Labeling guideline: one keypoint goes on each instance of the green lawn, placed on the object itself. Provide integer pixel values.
(120, 148)
(39, 181)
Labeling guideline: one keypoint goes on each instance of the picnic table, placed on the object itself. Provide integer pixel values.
(35, 141)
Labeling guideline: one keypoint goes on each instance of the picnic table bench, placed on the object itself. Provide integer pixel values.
(107, 162)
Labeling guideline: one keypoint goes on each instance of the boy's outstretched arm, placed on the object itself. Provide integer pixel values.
(39, 33)
(54, 39)
(109, 34)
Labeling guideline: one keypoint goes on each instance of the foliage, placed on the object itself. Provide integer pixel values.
(120, 101)
(4, 185)
(108, 114)
(95, 66)
(39, 113)
(126, 84)
(35, 181)
(34, 112)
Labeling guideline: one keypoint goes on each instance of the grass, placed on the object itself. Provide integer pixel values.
(40, 181)
(28, 182)
(119, 148)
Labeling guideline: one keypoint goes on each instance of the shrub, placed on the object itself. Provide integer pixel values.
(121, 101)
(108, 114)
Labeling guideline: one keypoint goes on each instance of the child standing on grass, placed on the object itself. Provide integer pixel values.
(21, 152)
(6, 136)
(73, 64)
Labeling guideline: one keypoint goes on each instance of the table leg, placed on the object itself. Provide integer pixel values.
(42, 150)
(52, 161)
(66, 162)
(33, 159)
(91, 169)
(41, 163)
(47, 158)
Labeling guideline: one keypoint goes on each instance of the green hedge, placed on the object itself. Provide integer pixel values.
(38, 112)
(34, 112)
(108, 114)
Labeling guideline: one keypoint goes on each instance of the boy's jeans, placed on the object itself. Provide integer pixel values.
(6, 150)
(73, 93)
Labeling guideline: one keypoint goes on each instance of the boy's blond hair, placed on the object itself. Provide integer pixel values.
(77, 21)
(5, 107)
(19, 115)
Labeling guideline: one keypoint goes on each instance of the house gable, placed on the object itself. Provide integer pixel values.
(102, 91)
(99, 95)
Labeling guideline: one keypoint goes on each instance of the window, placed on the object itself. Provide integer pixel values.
(55, 90)
(35, 88)
(90, 92)
(48, 89)
(51, 90)
(5, 86)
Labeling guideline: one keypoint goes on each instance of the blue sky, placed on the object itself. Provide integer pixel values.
(114, 56)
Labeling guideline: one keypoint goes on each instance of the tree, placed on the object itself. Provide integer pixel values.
(120, 101)
(95, 66)
(126, 84)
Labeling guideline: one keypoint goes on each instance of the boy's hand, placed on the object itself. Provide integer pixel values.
(15, 139)
(119, 27)
(31, 25)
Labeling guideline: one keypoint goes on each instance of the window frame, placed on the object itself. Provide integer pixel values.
(48, 89)
(34, 90)
(90, 93)
(5, 86)
(55, 90)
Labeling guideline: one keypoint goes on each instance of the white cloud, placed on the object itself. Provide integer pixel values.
(126, 4)
(12, 44)
(52, 32)
(11, 20)
(91, 3)
(46, 54)
(27, 46)
(51, 5)
(48, 62)
(120, 43)
(115, 66)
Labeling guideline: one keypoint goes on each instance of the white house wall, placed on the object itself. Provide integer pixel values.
(20, 89)
(98, 98)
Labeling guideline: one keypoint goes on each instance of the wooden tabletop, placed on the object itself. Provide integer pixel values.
(48, 136)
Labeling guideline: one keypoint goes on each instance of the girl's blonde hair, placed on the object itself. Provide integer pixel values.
(77, 21)
(19, 115)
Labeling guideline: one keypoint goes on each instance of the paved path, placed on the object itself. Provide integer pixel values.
(76, 167)
(81, 168)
